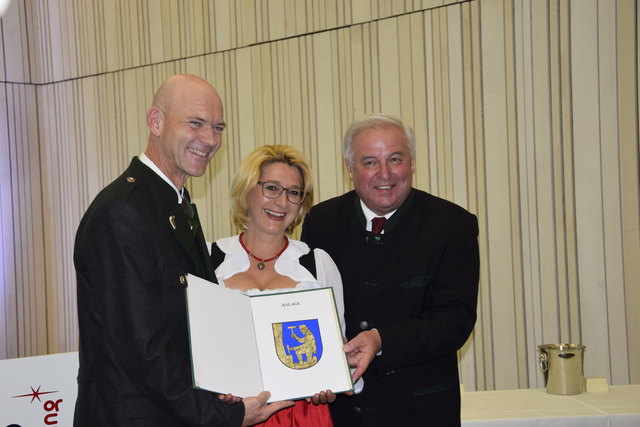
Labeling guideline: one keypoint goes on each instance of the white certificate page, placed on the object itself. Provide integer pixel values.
(289, 344)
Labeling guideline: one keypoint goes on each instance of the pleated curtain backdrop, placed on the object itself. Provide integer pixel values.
(525, 112)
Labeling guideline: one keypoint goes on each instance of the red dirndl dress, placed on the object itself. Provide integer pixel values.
(302, 414)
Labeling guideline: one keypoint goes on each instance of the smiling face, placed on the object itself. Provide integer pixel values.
(273, 216)
(186, 124)
(382, 169)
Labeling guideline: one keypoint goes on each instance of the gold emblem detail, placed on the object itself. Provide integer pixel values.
(172, 220)
(131, 179)
(300, 356)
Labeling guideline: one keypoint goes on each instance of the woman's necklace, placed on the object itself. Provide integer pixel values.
(260, 260)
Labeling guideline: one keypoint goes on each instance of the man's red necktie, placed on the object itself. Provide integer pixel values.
(377, 224)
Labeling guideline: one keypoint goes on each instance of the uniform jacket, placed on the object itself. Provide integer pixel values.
(417, 284)
(133, 249)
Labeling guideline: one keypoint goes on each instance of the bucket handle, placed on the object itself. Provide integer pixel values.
(543, 359)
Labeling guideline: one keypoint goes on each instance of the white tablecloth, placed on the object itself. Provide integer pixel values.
(618, 407)
(35, 391)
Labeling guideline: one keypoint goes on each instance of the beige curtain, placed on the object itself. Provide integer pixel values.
(525, 111)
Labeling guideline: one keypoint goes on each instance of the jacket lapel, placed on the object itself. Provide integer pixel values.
(179, 224)
(202, 249)
(177, 221)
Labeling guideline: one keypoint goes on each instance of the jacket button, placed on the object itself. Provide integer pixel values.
(357, 409)
(183, 279)
(364, 325)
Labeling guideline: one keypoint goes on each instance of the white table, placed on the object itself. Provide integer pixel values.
(36, 389)
(618, 407)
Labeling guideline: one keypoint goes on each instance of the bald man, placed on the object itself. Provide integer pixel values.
(136, 243)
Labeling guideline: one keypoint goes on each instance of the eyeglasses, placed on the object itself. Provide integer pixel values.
(273, 190)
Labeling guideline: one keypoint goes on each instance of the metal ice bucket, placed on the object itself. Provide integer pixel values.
(562, 367)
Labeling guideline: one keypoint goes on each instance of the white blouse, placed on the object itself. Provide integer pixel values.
(236, 261)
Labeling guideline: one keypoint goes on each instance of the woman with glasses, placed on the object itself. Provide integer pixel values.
(271, 193)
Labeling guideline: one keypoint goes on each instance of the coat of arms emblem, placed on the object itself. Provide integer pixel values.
(298, 343)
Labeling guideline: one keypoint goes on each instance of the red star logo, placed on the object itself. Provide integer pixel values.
(35, 394)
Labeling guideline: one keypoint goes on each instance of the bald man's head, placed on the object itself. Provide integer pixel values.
(169, 91)
(185, 124)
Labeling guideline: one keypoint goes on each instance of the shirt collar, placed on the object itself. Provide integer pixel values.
(369, 214)
(149, 163)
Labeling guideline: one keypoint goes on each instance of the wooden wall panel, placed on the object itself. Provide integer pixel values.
(567, 137)
(8, 333)
(610, 147)
(589, 190)
(67, 39)
(328, 150)
(525, 112)
(15, 45)
(472, 367)
(628, 93)
(482, 334)
(456, 125)
(499, 202)
(415, 106)
(24, 287)
(387, 46)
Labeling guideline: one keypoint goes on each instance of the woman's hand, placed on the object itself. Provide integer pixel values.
(323, 397)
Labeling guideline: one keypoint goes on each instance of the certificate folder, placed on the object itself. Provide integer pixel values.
(289, 343)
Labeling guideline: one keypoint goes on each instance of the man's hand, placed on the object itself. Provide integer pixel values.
(229, 398)
(256, 410)
(322, 398)
(361, 350)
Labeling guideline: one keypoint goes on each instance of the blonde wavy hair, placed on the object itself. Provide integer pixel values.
(248, 175)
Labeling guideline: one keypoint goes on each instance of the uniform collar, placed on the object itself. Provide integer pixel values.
(149, 163)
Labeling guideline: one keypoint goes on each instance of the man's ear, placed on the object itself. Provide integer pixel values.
(154, 120)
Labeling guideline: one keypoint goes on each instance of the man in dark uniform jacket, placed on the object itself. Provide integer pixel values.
(410, 291)
(134, 247)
